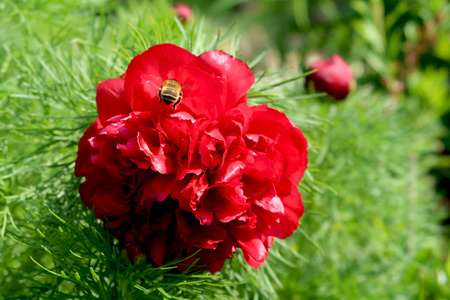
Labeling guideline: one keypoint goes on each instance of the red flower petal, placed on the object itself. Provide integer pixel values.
(202, 93)
(149, 141)
(231, 173)
(158, 187)
(279, 216)
(293, 206)
(158, 247)
(291, 142)
(227, 202)
(195, 190)
(177, 128)
(202, 236)
(145, 98)
(195, 167)
(153, 66)
(263, 168)
(83, 163)
(255, 253)
(106, 197)
(111, 99)
(238, 75)
(214, 259)
(237, 120)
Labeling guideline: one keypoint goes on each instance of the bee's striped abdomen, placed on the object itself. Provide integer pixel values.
(170, 92)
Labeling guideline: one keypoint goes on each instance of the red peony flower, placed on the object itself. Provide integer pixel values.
(183, 11)
(208, 173)
(333, 76)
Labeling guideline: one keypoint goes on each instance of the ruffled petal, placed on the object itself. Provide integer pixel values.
(227, 202)
(231, 173)
(205, 237)
(214, 259)
(150, 143)
(278, 215)
(293, 206)
(238, 75)
(158, 187)
(255, 252)
(290, 140)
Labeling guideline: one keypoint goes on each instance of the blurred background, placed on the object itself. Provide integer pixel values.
(396, 45)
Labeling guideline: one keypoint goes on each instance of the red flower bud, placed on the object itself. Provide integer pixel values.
(183, 11)
(333, 76)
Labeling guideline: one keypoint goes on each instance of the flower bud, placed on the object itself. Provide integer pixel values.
(183, 11)
(333, 76)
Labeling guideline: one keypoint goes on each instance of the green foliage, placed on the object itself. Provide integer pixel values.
(431, 88)
(369, 230)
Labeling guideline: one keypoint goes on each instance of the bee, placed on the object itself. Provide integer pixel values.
(170, 92)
